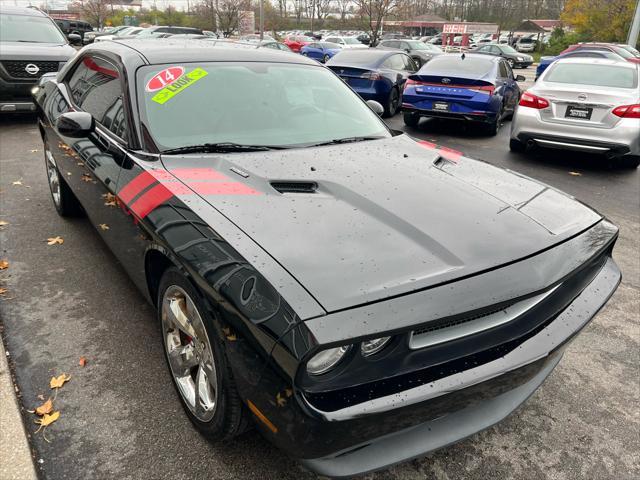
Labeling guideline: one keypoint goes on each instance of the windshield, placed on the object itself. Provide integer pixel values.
(418, 46)
(623, 52)
(597, 75)
(507, 49)
(251, 104)
(630, 49)
(32, 29)
(351, 41)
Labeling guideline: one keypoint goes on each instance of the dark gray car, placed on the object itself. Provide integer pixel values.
(511, 55)
(31, 44)
(420, 52)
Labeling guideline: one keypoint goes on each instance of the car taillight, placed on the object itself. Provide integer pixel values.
(371, 76)
(533, 101)
(627, 111)
(486, 88)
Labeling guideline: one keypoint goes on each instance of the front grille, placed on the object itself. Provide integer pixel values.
(18, 68)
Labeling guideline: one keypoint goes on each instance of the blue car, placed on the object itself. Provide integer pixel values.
(321, 51)
(474, 88)
(375, 74)
(546, 61)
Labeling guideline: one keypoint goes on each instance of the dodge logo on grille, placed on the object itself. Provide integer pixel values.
(31, 69)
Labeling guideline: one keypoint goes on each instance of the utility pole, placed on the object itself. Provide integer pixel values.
(632, 39)
(261, 20)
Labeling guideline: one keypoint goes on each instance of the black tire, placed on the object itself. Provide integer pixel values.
(230, 417)
(65, 202)
(630, 161)
(516, 145)
(411, 119)
(492, 128)
(392, 105)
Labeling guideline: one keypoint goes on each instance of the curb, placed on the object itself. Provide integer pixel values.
(15, 454)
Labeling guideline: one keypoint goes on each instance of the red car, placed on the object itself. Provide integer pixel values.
(296, 42)
(630, 54)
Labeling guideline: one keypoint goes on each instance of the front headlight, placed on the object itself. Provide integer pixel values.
(373, 346)
(520, 59)
(325, 360)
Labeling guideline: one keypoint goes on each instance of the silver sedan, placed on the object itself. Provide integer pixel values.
(583, 104)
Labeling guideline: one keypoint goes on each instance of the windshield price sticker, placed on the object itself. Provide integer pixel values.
(180, 84)
(164, 78)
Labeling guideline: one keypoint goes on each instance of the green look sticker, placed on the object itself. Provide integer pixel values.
(185, 81)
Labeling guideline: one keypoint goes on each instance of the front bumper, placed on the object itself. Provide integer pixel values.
(15, 96)
(462, 404)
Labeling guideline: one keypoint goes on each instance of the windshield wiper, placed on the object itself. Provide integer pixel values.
(222, 147)
(338, 141)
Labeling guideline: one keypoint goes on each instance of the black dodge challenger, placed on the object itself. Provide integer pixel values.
(362, 297)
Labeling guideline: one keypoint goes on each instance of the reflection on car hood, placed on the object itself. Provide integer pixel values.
(36, 51)
(386, 217)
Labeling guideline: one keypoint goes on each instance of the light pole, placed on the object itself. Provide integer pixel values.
(261, 20)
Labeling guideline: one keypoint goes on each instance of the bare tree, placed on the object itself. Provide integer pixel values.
(374, 12)
(343, 8)
(94, 11)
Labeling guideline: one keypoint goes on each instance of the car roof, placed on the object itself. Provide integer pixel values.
(598, 61)
(169, 50)
(28, 11)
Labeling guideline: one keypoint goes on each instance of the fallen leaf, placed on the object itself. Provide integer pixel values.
(288, 392)
(82, 362)
(4, 264)
(3, 223)
(104, 226)
(86, 177)
(111, 203)
(280, 400)
(57, 382)
(55, 241)
(69, 174)
(45, 408)
(35, 150)
(41, 397)
(229, 334)
(18, 182)
(3, 291)
(80, 164)
(48, 419)
(575, 174)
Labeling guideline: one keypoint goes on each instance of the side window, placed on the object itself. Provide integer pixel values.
(503, 70)
(95, 88)
(404, 45)
(395, 62)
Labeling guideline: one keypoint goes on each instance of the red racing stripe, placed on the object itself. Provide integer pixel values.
(222, 188)
(155, 196)
(198, 174)
(135, 186)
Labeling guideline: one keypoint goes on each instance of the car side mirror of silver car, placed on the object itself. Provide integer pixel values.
(75, 124)
(75, 39)
(376, 107)
(520, 78)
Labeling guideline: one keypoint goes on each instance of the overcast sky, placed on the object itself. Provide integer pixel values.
(59, 4)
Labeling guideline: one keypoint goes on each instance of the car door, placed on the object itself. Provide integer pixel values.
(94, 163)
(504, 86)
(514, 88)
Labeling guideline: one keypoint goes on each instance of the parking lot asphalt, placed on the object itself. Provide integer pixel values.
(120, 417)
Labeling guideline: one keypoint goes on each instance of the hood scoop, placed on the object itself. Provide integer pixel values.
(295, 187)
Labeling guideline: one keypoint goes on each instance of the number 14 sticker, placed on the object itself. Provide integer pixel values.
(164, 78)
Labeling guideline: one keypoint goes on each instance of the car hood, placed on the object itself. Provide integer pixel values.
(388, 217)
(36, 51)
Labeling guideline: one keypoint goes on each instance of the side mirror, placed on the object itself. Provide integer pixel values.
(75, 124)
(520, 78)
(376, 107)
(75, 39)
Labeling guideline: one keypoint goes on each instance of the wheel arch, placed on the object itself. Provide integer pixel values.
(156, 262)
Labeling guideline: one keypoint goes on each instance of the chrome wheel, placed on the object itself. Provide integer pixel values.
(53, 177)
(189, 352)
